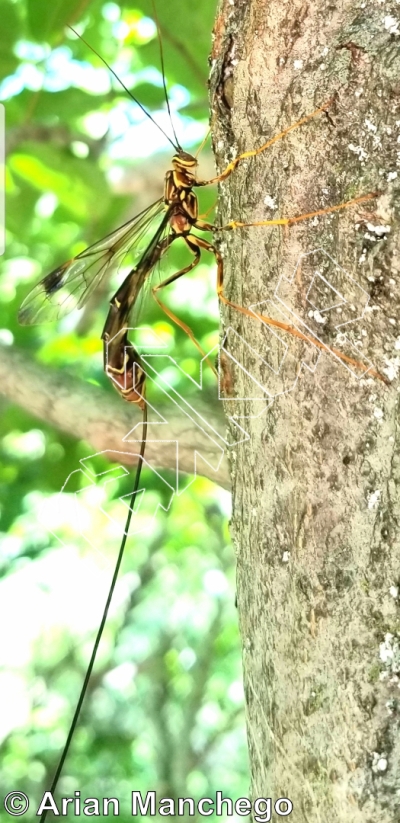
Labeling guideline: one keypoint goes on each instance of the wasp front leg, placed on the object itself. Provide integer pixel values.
(246, 155)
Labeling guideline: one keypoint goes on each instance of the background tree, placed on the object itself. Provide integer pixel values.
(315, 486)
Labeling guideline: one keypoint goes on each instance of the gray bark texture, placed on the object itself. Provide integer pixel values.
(316, 482)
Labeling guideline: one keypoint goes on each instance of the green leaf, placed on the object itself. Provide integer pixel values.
(186, 41)
(45, 19)
(10, 27)
(76, 183)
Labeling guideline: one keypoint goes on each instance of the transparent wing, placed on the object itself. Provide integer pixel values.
(69, 286)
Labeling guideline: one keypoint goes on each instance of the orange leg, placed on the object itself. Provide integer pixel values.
(283, 221)
(289, 221)
(254, 152)
(308, 338)
(209, 210)
(203, 142)
(196, 251)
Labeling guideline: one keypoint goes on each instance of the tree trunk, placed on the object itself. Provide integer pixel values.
(315, 473)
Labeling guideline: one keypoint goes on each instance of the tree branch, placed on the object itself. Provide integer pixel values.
(193, 444)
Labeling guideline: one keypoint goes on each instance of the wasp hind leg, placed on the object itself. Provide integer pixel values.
(269, 321)
(194, 248)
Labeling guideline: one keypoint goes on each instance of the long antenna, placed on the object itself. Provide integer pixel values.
(132, 96)
(160, 46)
(104, 615)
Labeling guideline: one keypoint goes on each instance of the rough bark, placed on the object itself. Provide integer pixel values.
(315, 487)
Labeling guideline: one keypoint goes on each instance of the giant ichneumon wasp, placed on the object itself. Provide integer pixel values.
(174, 216)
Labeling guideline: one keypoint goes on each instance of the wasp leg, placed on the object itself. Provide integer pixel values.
(290, 221)
(254, 152)
(308, 338)
(196, 252)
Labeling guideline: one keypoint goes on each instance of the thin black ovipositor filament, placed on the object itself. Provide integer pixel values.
(96, 644)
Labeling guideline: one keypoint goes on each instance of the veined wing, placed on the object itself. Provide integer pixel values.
(69, 286)
(125, 299)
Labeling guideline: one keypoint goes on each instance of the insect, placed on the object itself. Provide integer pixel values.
(174, 216)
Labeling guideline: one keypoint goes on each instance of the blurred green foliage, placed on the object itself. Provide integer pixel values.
(164, 709)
